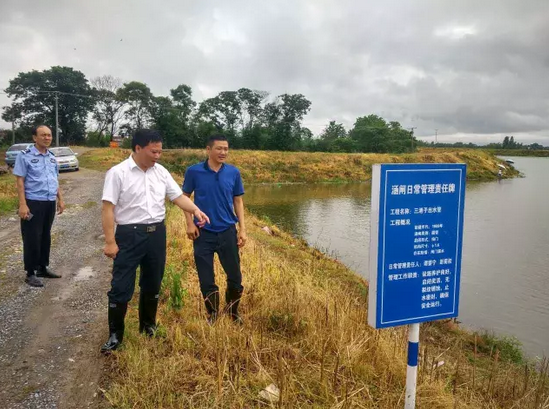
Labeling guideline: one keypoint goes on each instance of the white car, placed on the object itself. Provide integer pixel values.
(66, 158)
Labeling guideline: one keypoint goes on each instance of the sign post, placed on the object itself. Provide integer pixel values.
(415, 249)
(411, 369)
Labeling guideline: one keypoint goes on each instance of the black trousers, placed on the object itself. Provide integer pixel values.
(139, 245)
(36, 234)
(225, 244)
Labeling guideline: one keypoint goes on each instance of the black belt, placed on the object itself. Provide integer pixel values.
(148, 228)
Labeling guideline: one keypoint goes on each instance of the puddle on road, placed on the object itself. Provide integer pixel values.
(85, 273)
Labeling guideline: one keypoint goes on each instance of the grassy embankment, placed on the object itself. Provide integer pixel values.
(305, 331)
(285, 167)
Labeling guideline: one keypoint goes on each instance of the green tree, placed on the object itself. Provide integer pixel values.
(283, 119)
(329, 137)
(182, 97)
(255, 137)
(224, 111)
(535, 146)
(510, 143)
(138, 99)
(251, 107)
(370, 134)
(165, 119)
(373, 134)
(203, 130)
(401, 140)
(333, 131)
(109, 108)
(173, 117)
(34, 94)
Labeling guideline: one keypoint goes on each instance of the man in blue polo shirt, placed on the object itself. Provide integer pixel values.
(36, 171)
(218, 191)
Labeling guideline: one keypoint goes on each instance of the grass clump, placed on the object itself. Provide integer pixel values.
(510, 348)
(8, 194)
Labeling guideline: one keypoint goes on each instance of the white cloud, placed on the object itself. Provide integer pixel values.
(455, 32)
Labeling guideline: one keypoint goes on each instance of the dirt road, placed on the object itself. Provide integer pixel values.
(50, 337)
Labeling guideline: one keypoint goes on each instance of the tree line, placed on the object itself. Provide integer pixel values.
(93, 111)
(508, 142)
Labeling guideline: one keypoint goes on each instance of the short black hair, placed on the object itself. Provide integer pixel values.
(143, 137)
(216, 137)
(34, 129)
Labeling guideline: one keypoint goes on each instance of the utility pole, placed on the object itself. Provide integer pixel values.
(56, 119)
(13, 132)
(412, 134)
(436, 134)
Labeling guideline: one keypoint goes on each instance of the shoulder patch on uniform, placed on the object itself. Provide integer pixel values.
(26, 150)
(34, 161)
(52, 160)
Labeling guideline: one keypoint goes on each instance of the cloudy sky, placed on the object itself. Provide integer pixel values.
(475, 69)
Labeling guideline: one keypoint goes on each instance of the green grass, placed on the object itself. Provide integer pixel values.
(510, 348)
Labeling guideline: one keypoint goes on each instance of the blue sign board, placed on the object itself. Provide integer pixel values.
(415, 242)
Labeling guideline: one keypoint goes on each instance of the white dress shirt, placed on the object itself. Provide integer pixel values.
(139, 197)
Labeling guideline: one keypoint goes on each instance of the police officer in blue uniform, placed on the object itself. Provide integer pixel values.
(36, 171)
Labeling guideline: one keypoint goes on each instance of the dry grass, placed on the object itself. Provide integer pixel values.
(305, 331)
(8, 194)
(286, 167)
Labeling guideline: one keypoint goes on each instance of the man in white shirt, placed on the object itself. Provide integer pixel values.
(134, 199)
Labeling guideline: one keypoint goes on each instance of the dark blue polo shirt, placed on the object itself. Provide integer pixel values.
(214, 193)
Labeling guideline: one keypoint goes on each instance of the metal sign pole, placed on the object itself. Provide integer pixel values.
(411, 370)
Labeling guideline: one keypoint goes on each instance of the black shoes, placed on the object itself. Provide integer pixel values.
(34, 281)
(148, 304)
(117, 313)
(47, 272)
(44, 271)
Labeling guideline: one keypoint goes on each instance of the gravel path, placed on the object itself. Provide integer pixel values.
(50, 337)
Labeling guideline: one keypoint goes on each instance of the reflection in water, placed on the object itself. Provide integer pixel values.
(505, 287)
(332, 217)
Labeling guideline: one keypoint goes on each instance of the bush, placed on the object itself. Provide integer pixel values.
(510, 348)
(126, 143)
(97, 140)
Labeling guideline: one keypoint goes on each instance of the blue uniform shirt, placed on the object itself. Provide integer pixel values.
(40, 172)
(214, 193)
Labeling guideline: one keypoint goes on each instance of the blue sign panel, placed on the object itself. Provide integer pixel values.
(416, 239)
